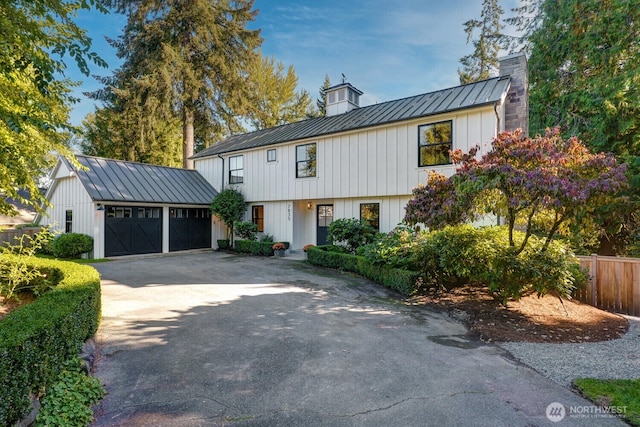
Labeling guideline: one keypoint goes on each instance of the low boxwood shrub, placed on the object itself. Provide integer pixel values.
(38, 338)
(404, 281)
(253, 247)
(71, 245)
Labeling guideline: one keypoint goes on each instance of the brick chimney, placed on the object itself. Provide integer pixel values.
(341, 98)
(517, 102)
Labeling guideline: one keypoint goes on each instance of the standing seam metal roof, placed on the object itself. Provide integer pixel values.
(428, 104)
(109, 180)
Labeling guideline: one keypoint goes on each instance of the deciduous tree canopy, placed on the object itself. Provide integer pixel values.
(273, 96)
(35, 38)
(546, 179)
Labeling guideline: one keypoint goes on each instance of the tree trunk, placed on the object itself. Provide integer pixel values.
(187, 137)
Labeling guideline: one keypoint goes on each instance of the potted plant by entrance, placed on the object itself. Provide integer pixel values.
(278, 248)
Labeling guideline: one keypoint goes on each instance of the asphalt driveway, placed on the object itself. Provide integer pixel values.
(212, 339)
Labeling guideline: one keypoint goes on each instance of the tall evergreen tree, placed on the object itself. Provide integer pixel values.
(131, 125)
(585, 77)
(35, 39)
(526, 21)
(483, 62)
(585, 72)
(189, 56)
(321, 102)
(274, 100)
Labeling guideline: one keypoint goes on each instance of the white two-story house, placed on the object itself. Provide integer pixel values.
(297, 178)
(361, 162)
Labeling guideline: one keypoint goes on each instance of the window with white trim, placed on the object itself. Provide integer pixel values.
(306, 160)
(68, 221)
(370, 212)
(236, 170)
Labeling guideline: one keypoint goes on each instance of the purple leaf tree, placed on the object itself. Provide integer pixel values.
(520, 179)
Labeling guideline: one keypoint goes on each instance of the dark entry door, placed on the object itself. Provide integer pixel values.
(325, 217)
(189, 228)
(132, 230)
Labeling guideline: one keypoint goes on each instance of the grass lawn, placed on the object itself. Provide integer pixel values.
(76, 260)
(614, 393)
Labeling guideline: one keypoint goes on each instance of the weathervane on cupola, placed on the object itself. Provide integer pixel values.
(342, 98)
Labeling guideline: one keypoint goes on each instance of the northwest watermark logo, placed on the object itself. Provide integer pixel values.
(557, 412)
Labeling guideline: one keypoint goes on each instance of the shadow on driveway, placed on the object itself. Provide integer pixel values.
(214, 339)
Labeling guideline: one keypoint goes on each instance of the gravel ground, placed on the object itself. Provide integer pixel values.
(616, 359)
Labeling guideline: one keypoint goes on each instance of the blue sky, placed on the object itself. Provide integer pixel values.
(388, 49)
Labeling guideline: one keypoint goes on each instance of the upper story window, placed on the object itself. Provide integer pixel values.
(271, 155)
(236, 170)
(434, 143)
(305, 160)
(370, 212)
(68, 221)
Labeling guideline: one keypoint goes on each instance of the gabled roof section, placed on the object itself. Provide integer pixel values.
(108, 180)
(443, 101)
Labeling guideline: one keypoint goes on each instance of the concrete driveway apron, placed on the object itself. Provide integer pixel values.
(213, 339)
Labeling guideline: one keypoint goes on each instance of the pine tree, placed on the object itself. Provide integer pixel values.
(190, 58)
(321, 102)
(526, 21)
(585, 77)
(585, 72)
(483, 62)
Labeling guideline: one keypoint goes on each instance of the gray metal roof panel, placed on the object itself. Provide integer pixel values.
(111, 180)
(424, 105)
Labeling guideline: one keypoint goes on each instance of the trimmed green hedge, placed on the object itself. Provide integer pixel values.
(38, 338)
(255, 247)
(404, 281)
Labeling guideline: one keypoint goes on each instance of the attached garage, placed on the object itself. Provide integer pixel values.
(132, 230)
(189, 228)
(132, 208)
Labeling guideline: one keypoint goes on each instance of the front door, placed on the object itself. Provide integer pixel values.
(325, 217)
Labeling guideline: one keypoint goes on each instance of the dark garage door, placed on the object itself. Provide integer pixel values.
(131, 230)
(189, 228)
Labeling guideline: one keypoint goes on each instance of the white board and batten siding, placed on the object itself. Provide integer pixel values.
(374, 162)
(373, 165)
(70, 195)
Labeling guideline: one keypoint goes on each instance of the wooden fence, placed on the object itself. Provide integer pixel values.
(614, 284)
(11, 235)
